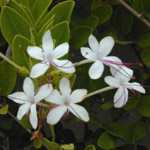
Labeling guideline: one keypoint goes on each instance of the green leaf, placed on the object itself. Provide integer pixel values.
(136, 131)
(145, 54)
(95, 4)
(61, 11)
(37, 143)
(138, 6)
(67, 147)
(4, 110)
(123, 24)
(90, 22)
(79, 36)
(61, 33)
(51, 145)
(103, 12)
(146, 8)
(105, 141)
(143, 106)
(19, 51)
(8, 78)
(23, 2)
(3, 3)
(17, 7)
(38, 8)
(25, 123)
(12, 23)
(107, 105)
(90, 147)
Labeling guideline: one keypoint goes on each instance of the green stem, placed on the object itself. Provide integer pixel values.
(100, 91)
(11, 62)
(53, 133)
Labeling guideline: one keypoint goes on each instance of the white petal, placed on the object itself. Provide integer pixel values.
(54, 97)
(93, 43)
(38, 70)
(35, 52)
(56, 114)
(79, 112)
(33, 116)
(61, 50)
(138, 87)
(47, 42)
(88, 54)
(28, 87)
(121, 97)
(19, 97)
(112, 81)
(23, 109)
(64, 65)
(43, 92)
(78, 95)
(96, 70)
(64, 86)
(106, 45)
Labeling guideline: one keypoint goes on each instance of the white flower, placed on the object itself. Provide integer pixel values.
(49, 56)
(118, 80)
(66, 101)
(97, 53)
(29, 99)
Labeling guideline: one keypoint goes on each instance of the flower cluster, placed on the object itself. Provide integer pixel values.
(63, 102)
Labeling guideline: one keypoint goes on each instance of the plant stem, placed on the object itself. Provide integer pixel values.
(53, 133)
(100, 91)
(11, 62)
(82, 62)
(134, 12)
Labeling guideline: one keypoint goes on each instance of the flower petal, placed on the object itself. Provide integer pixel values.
(64, 65)
(23, 109)
(47, 42)
(35, 52)
(54, 97)
(96, 70)
(88, 54)
(64, 86)
(93, 43)
(56, 114)
(79, 112)
(28, 87)
(61, 50)
(78, 95)
(121, 97)
(19, 97)
(33, 116)
(105, 46)
(43, 92)
(112, 81)
(138, 87)
(38, 70)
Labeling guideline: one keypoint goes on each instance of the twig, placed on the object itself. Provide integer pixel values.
(138, 15)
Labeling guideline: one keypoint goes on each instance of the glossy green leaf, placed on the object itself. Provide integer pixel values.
(37, 143)
(105, 141)
(61, 33)
(143, 106)
(103, 12)
(136, 131)
(8, 78)
(3, 3)
(4, 110)
(79, 36)
(61, 11)
(23, 2)
(51, 145)
(38, 8)
(90, 147)
(90, 22)
(12, 23)
(19, 51)
(67, 147)
(123, 24)
(17, 7)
